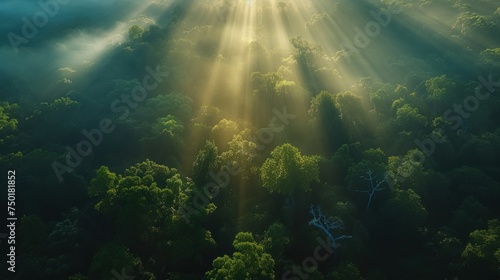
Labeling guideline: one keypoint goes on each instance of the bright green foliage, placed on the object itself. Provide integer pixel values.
(484, 247)
(473, 25)
(102, 182)
(249, 261)
(143, 206)
(284, 87)
(410, 119)
(287, 171)
(169, 126)
(241, 153)
(223, 132)
(141, 197)
(7, 124)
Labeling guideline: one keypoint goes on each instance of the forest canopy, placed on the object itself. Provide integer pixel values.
(250, 139)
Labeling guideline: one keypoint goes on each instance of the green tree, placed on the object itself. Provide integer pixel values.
(325, 114)
(276, 240)
(265, 84)
(373, 160)
(7, 124)
(241, 153)
(223, 132)
(175, 104)
(474, 26)
(343, 159)
(207, 161)
(113, 257)
(440, 92)
(483, 250)
(408, 119)
(345, 271)
(353, 114)
(248, 262)
(308, 56)
(404, 210)
(382, 97)
(170, 127)
(102, 182)
(287, 171)
(144, 208)
(135, 32)
(141, 197)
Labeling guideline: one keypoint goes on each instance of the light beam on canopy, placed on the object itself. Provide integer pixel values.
(232, 25)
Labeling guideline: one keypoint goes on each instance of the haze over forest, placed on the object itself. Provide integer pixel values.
(250, 139)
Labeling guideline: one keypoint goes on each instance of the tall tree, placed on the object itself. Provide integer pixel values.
(206, 161)
(250, 261)
(287, 171)
(482, 253)
(325, 115)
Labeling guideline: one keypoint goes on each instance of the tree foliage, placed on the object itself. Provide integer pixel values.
(249, 261)
(288, 171)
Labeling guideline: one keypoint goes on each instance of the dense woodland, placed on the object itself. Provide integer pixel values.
(255, 139)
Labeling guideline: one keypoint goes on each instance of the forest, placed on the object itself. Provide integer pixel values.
(250, 139)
